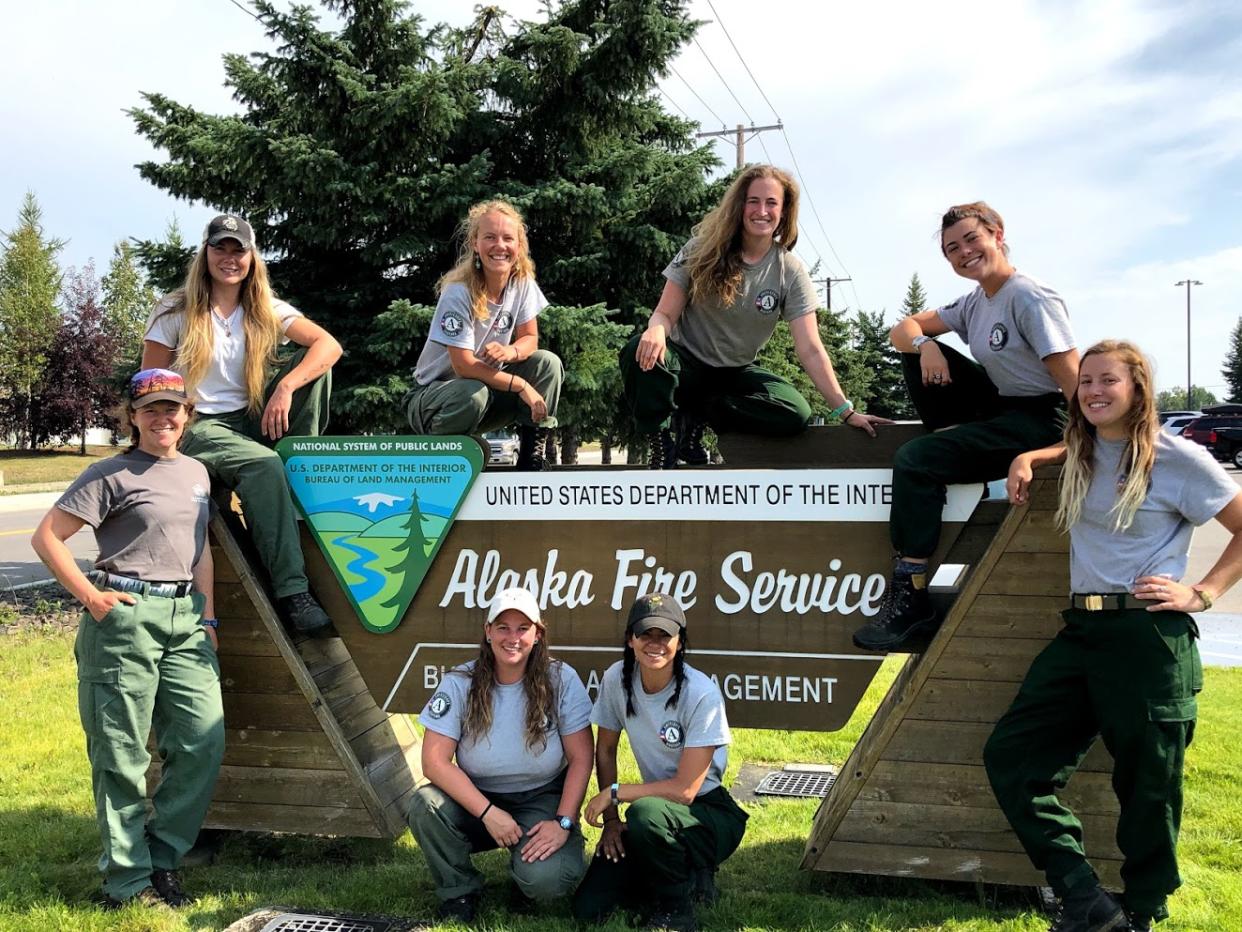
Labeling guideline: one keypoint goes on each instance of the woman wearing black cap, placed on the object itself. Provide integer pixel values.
(223, 331)
(681, 822)
(146, 641)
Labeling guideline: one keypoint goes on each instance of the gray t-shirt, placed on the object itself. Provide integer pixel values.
(1010, 333)
(777, 287)
(500, 761)
(454, 324)
(657, 735)
(1188, 488)
(149, 514)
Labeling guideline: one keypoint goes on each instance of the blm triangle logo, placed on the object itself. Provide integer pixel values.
(379, 508)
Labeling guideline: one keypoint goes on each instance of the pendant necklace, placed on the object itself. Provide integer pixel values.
(226, 325)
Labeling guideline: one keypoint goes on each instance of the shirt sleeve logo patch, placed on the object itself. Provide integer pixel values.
(767, 301)
(453, 324)
(439, 705)
(671, 734)
(504, 322)
(998, 337)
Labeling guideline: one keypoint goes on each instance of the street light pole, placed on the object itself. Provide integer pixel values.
(1188, 282)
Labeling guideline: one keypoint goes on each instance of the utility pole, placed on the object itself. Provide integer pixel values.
(828, 283)
(1188, 282)
(741, 137)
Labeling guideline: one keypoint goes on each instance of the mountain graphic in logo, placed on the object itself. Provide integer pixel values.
(379, 508)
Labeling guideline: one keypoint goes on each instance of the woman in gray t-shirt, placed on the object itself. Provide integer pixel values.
(1125, 666)
(508, 751)
(725, 292)
(146, 641)
(680, 822)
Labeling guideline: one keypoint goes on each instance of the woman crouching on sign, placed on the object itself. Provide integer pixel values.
(146, 642)
(507, 751)
(1125, 665)
(680, 823)
(223, 331)
(726, 289)
(481, 367)
(983, 413)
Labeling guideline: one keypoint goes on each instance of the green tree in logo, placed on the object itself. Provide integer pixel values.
(409, 559)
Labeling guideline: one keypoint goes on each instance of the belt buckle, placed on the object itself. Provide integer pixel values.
(1094, 603)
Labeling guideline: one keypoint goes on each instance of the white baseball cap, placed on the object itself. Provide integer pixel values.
(517, 598)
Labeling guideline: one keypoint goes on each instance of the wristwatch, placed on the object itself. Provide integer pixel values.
(1204, 596)
(920, 340)
(565, 822)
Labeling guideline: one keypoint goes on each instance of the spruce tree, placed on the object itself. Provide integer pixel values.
(1233, 364)
(916, 298)
(127, 302)
(886, 394)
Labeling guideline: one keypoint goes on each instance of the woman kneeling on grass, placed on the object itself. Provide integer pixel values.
(1125, 665)
(507, 749)
(681, 823)
(146, 642)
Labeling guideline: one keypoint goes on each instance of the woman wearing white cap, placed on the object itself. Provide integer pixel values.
(680, 823)
(507, 751)
(222, 331)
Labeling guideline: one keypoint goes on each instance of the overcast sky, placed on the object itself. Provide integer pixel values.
(1108, 133)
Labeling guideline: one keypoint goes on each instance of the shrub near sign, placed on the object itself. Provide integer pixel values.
(775, 568)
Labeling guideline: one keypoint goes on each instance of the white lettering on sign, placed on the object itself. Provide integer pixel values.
(795, 593)
(478, 584)
(760, 687)
(657, 579)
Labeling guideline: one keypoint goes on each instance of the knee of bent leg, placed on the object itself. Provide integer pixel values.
(999, 757)
(424, 805)
(643, 816)
(550, 879)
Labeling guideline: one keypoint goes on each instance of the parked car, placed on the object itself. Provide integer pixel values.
(1201, 428)
(1225, 443)
(1166, 416)
(502, 447)
(1175, 425)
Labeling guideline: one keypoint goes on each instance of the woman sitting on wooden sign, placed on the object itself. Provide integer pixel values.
(507, 751)
(726, 289)
(481, 366)
(680, 823)
(983, 413)
(1124, 666)
(146, 645)
(222, 331)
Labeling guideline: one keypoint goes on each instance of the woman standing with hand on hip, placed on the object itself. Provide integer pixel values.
(146, 642)
(1125, 666)
(223, 331)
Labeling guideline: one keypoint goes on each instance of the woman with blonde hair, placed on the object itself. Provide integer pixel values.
(223, 331)
(1125, 666)
(694, 364)
(507, 750)
(481, 367)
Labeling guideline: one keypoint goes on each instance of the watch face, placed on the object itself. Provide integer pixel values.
(566, 823)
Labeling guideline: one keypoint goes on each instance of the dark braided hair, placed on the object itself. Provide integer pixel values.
(627, 671)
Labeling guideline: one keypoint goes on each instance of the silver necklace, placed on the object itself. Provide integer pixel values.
(226, 325)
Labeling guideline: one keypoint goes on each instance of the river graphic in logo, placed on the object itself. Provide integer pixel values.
(379, 508)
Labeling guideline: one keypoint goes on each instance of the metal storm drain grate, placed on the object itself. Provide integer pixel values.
(308, 922)
(800, 783)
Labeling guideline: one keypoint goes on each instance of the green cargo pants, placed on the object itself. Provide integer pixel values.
(467, 406)
(741, 399)
(448, 835)
(241, 459)
(1131, 678)
(665, 843)
(986, 430)
(143, 665)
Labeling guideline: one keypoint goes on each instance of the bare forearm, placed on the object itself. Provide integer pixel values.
(204, 580)
(818, 367)
(57, 557)
(320, 357)
(453, 780)
(903, 334)
(1226, 571)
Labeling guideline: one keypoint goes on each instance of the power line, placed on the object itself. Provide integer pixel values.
(249, 12)
(664, 94)
(815, 211)
(696, 94)
(722, 80)
(720, 23)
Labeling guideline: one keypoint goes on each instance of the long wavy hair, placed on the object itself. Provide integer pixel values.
(259, 321)
(987, 216)
(627, 671)
(537, 685)
(1138, 456)
(469, 272)
(714, 262)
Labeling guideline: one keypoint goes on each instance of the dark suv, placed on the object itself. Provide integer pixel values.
(1200, 429)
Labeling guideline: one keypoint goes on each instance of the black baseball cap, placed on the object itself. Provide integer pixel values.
(656, 610)
(229, 226)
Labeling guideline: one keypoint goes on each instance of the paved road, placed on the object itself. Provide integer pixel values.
(1222, 628)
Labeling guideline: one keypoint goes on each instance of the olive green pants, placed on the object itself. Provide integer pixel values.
(1130, 677)
(742, 399)
(448, 835)
(985, 431)
(467, 406)
(239, 458)
(143, 665)
(665, 843)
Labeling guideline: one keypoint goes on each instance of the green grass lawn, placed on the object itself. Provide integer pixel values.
(48, 843)
(22, 467)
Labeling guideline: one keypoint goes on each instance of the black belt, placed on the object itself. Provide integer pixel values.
(163, 590)
(1107, 601)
